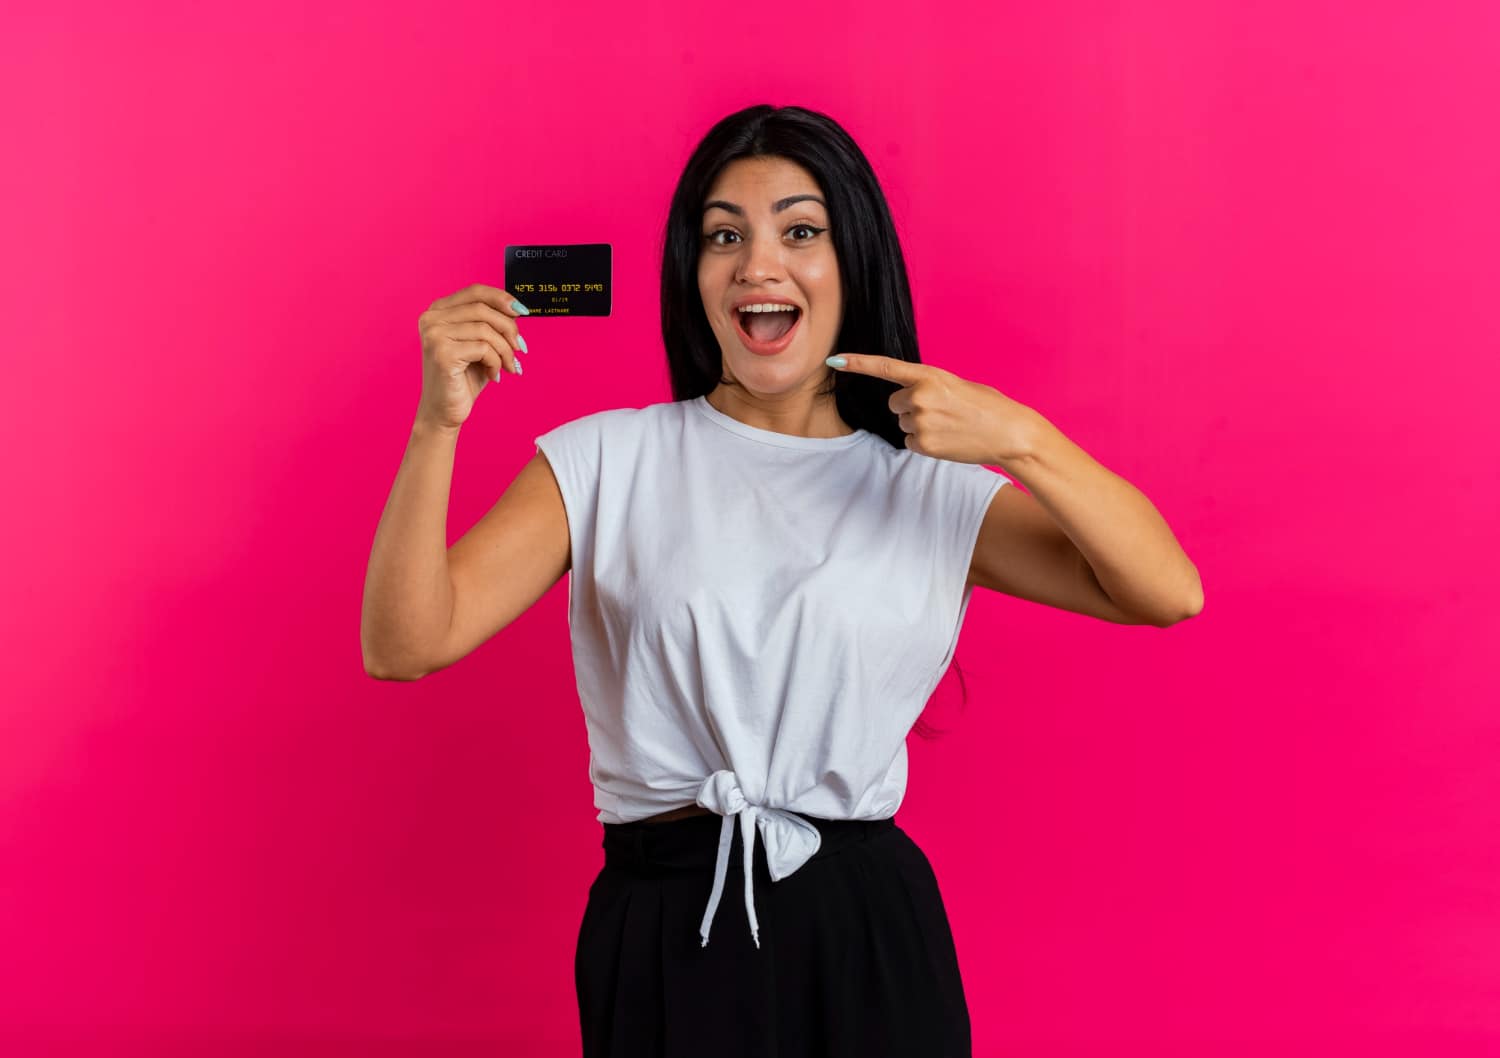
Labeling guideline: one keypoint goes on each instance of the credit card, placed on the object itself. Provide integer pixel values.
(568, 279)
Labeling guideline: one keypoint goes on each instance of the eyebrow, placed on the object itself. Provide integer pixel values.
(776, 207)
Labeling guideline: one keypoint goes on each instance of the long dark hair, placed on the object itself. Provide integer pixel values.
(878, 316)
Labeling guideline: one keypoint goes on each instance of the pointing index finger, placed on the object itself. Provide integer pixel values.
(900, 371)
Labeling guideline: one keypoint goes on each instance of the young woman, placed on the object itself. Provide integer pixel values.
(768, 578)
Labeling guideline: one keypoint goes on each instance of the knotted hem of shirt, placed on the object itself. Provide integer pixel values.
(790, 842)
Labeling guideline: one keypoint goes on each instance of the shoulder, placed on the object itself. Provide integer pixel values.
(587, 445)
(597, 420)
(931, 476)
(607, 422)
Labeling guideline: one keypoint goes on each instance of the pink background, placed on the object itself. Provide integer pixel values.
(1244, 257)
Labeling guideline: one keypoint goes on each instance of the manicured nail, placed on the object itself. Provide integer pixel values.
(516, 306)
(522, 343)
(519, 368)
(836, 361)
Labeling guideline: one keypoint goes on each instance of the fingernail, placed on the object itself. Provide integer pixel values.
(836, 361)
(519, 368)
(516, 306)
(522, 343)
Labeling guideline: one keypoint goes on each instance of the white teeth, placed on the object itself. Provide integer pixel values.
(768, 308)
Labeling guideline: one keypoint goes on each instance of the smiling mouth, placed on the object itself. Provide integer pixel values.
(767, 328)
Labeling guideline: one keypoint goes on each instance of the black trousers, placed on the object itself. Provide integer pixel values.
(856, 957)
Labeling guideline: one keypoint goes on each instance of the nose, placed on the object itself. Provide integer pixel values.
(762, 259)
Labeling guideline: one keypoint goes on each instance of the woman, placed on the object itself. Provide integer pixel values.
(768, 578)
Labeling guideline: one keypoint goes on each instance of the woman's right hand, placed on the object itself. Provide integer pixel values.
(468, 338)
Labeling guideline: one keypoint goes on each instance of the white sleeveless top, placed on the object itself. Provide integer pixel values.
(757, 618)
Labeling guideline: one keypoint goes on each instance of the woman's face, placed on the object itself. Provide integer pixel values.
(765, 238)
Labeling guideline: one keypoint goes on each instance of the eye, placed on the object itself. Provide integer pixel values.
(712, 237)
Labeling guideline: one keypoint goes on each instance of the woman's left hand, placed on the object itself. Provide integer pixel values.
(949, 417)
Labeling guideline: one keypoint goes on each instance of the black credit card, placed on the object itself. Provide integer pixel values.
(570, 279)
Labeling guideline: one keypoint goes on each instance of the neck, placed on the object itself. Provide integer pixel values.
(801, 414)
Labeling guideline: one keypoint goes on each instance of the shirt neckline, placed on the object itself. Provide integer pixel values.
(771, 437)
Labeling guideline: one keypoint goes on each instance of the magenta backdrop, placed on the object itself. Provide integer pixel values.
(1245, 258)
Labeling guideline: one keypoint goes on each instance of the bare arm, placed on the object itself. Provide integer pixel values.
(408, 600)
(1135, 557)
